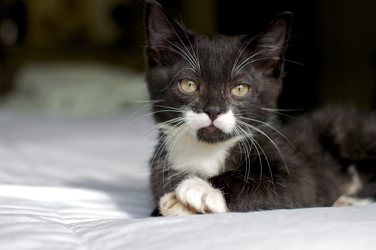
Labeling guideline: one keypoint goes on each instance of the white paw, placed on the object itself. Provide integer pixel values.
(169, 205)
(345, 201)
(193, 196)
(201, 196)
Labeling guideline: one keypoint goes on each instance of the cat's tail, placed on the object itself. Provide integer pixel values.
(344, 136)
(350, 136)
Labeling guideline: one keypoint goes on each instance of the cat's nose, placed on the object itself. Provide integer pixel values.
(212, 112)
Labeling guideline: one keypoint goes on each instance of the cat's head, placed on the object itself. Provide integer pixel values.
(211, 86)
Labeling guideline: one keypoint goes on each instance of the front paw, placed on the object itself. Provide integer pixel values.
(169, 205)
(193, 196)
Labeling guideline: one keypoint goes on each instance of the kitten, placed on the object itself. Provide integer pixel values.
(221, 147)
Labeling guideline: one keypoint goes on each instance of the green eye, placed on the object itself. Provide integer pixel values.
(240, 90)
(188, 86)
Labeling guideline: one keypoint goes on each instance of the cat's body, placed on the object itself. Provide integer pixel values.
(221, 147)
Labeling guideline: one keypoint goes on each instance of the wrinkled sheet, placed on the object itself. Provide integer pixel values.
(83, 184)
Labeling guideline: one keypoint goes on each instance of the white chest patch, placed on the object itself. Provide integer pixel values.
(188, 155)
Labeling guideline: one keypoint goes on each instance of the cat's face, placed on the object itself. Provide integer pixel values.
(211, 87)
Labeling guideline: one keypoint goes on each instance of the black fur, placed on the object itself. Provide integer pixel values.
(303, 164)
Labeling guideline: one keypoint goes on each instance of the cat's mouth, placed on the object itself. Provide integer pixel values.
(211, 128)
(211, 134)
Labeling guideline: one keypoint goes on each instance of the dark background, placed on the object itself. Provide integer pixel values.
(332, 49)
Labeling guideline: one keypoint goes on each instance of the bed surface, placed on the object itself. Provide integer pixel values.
(69, 183)
(82, 183)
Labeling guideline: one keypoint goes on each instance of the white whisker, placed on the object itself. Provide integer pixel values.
(242, 49)
(191, 58)
(271, 140)
(273, 128)
(244, 63)
(258, 147)
(172, 80)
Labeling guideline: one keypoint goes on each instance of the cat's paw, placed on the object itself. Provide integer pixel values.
(199, 196)
(193, 196)
(345, 201)
(169, 205)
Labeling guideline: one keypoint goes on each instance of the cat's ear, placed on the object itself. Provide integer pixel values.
(162, 31)
(270, 46)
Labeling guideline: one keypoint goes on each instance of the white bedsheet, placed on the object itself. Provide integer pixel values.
(83, 184)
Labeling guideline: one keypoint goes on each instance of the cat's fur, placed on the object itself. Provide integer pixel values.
(218, 152)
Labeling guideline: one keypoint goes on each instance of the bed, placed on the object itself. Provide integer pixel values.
(81, 182)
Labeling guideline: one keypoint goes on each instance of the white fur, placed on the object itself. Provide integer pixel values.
(188, 155)
(196, 121)
(169, 205)
(193, 195)
(352, 189)
(345, 201)
(356, 183)
(225, 122)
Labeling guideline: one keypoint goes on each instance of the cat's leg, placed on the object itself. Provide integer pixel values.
(352, 189)
(193, 196)
(345, 201)
(254, 194)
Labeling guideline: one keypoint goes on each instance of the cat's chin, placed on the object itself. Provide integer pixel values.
(212, 135)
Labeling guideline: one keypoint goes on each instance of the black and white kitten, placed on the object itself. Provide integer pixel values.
(221, 148)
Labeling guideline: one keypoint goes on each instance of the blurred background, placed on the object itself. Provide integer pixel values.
(86, 56)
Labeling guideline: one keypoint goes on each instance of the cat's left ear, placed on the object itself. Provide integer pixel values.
(162, 31)
(270, 46)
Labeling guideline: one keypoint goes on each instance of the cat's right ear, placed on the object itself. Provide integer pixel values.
(162, 31)
(270, 45)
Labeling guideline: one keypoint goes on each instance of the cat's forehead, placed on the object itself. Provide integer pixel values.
(218, 46)
(217, 54)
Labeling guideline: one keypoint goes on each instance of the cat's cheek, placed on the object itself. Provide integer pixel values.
(196, 121)
(226, 122)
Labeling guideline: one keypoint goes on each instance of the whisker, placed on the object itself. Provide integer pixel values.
(266, 136)
(283, 110)
(242, 49)
(164, 138)
(178, 133)
(246, 151)
(194, 56)
(156, 112)
(273, 128)
(172, 80)
(182, 54)
(162, 125)
(237, 68)
(181, 41)
(280, 111)
(258, 147)
(167, 107)
(240, 66)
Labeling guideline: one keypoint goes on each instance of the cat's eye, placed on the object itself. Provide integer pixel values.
(240, 90)
(188, 86)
